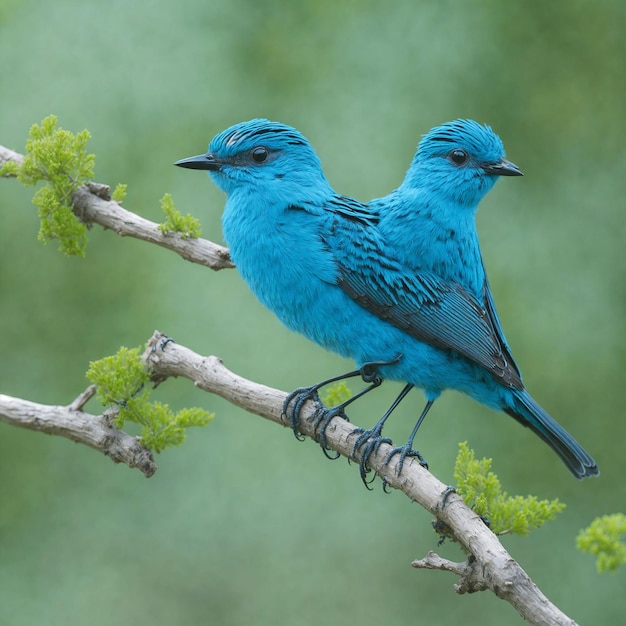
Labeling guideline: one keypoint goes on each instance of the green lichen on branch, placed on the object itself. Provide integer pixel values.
(187, 225)
(605, 538)
(123, 382)
(57, 158)
(481, 490)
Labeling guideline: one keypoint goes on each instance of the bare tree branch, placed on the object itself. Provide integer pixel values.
(489, 565)
(9, 155)
(93, 205)
(94, 431)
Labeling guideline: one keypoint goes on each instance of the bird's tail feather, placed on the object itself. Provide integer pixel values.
(530, 414)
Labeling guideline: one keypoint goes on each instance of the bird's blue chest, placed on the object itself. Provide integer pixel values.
(278, 252)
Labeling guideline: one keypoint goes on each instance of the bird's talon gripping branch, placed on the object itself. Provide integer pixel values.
(364, 436)
(369, 441)
(369, 446)
(407, 449)
(446, 494)
(298, 397)
(404, 452)
(323, 416)
(164, 341)
(386, 486)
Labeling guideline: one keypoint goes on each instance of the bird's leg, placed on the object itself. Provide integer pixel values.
(292, 406)
(323, 415)
(300, 395)
(370, 440)
(407, 448)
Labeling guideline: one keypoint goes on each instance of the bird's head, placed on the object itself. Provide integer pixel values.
(462, 159)
(266, 155)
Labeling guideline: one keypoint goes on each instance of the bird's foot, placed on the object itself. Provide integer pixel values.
(294, 402)
(292, 406)
(446, 494)
(322, 419)
(404, 452)
(292, 409)
(367, 442)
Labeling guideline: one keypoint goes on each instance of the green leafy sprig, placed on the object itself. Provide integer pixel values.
(187, 225)
(122, 382)
(58, 158)
(605, 538)
(481, 490)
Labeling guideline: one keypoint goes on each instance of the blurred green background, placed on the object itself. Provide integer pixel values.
(243, 525)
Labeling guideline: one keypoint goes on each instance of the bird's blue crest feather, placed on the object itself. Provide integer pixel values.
(246, 135)
(477, 139)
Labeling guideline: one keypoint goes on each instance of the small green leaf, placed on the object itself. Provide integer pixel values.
(187, 225)
(119, 193)
(336, 394)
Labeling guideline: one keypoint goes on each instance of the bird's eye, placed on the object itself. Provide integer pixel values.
(259, 154)
(458, 157)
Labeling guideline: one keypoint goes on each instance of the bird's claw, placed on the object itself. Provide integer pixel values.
(292, 410)
(404, 452)
(162, 343)
(368, 443)
(322, 418)
(292, 407)
(368, 449)
(363, 437)
(446, 494)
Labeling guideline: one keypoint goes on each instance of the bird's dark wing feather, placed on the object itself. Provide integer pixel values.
(440, 313)
(490, 307)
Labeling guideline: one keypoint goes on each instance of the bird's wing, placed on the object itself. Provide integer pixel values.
(490, 307)
(440, 313)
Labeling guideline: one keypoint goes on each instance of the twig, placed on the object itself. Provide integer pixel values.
(82, 399)
(92, 430)
(92, 204)
(489, 565)
(7, 154)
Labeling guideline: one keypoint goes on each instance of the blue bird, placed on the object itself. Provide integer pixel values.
(335, 270)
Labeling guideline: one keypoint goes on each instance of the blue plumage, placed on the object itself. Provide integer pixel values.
(399, 282)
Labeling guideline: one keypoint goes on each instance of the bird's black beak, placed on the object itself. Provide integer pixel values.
(201, 162)
(503, 168)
